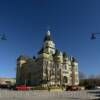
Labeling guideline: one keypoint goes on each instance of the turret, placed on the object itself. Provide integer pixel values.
(74, 65)
(21, 60)
(49, 45)
(58, 57)
(58, 66)
(65, 57)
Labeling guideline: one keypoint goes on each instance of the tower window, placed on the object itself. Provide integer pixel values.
(65, 67)
(51, 51)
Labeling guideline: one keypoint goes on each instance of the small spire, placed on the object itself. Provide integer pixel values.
(64, 55)
(48, 33)
(48, 36)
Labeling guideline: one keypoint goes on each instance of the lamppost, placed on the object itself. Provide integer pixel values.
(93, 35)
(3, 37)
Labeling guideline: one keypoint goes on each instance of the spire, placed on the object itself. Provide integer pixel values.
(48, 33)
(48, 36)
(64, 55)
(73, 59)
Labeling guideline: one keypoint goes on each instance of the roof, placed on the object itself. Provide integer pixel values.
(41, 51)
(22, 57)
(57, 53)
(64, 55)
(48, 37)
(73, 59)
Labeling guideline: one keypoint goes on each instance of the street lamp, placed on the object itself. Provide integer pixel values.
(3, 37)
(93, 35)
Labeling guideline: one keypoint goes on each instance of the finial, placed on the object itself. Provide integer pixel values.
(48, 33)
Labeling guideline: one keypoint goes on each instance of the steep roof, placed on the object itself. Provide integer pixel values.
(48, 36)
(41, 51)
(64, 55)
(57, 53)
(22, 57)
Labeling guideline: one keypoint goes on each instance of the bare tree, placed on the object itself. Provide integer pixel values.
(82, 75)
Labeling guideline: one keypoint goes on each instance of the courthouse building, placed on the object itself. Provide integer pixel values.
(51, 67)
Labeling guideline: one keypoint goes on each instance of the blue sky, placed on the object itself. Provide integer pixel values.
(25, 23)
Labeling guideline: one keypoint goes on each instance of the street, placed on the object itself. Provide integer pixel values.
(45, 95)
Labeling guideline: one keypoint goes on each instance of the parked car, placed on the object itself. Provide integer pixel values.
(97, 87)
(23, 87)
(3, 86)
(12, 87)
(73, 88)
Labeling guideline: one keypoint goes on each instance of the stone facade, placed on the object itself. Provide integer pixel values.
(50, 67)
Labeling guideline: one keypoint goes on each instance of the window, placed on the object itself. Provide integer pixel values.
(65, 79)
(65, 67)
(51, 51)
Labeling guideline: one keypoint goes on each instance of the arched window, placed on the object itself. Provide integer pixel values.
(65, 79)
